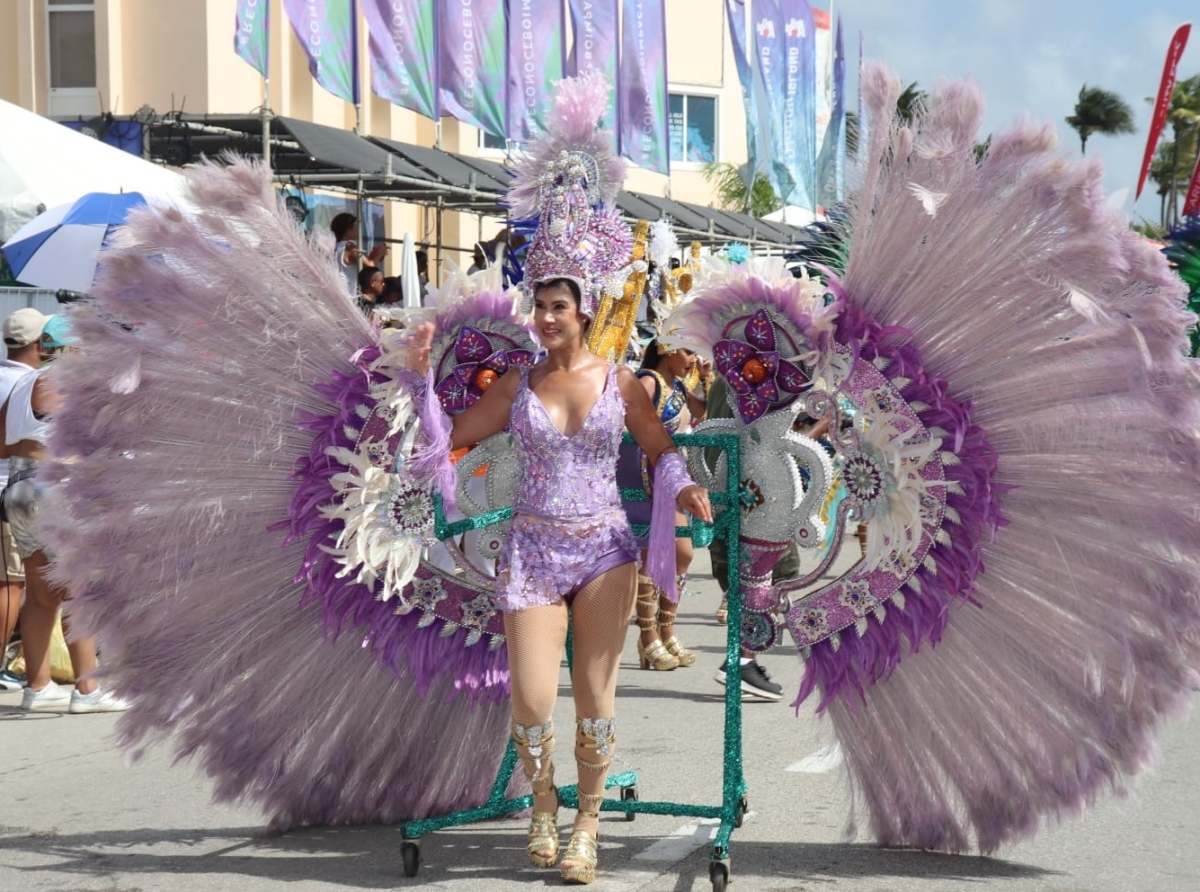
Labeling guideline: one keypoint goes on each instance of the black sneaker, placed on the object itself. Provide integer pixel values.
(755, 681)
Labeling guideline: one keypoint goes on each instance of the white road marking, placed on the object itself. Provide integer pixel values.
(667, 851)
(823, 760)
(681, 843)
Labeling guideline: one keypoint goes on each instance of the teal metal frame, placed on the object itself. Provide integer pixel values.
(733, 793)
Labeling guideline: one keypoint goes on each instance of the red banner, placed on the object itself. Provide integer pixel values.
(1192, 205)
(1162, 105)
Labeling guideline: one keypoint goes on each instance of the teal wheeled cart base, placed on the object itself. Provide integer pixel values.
(734, 801)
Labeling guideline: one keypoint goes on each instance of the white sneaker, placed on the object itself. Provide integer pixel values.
(98, 700)
(52, 698)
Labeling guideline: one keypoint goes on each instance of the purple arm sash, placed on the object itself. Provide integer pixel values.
(431, 461)
(670, 476)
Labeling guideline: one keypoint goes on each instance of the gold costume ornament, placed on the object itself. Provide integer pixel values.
(608, 336)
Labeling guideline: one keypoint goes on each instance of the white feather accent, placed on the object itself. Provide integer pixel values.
(1085, 305)
(663, 243)
(931, 201)
(128, 380)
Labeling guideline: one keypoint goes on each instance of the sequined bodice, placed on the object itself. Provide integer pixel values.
(567, 477)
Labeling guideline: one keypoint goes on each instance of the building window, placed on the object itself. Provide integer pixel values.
(491, 141)
(71, 34)
(692, 121)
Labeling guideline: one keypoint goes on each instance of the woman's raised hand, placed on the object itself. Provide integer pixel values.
(694, 500)
(420, 343)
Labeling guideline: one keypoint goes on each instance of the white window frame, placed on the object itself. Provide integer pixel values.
(71, 100)
(485, 151)
(686, 90)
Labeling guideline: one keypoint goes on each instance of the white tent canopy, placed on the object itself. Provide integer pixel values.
(45, 163)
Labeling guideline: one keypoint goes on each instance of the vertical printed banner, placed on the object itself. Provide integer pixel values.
(328, 31)
(251, 39)
(642, 86)
(403, 50)
(536, 59)
(758, 140)
(831, 163)
(860, 136)
(472, 62)
(799, 102)
(1191, 205)
(597, 42)
(771, 69)
(1162, 104)
(823, 44)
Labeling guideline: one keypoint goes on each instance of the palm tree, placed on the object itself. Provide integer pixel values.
(912, 100)
(733, 195)
(1174, 160)
(1099, 111)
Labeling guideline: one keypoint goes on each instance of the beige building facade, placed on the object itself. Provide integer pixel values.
(67, 58)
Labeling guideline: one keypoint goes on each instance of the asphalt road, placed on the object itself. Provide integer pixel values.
(74, 815)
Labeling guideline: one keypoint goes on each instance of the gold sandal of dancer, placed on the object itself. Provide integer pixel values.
(653, 655)
(535, 747)
(674, 648)
(582, 854)
(543, 836)
(579, 860)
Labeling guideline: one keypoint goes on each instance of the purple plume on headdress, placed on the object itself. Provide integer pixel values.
(568, 178)
(169, 522)
(573, 126)
(1030, 672)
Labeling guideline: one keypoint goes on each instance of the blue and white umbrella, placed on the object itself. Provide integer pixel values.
(57, 249)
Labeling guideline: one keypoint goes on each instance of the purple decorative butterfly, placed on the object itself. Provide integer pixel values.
(757, 375)
(473, 353)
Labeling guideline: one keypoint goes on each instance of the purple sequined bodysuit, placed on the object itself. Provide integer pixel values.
(568, 526)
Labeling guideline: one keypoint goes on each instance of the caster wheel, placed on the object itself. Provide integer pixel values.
(411, 853)
(742, 808)
(718, 872)
(629, 794)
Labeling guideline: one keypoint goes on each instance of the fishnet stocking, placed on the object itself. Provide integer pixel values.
(536, 638)
(600, 617)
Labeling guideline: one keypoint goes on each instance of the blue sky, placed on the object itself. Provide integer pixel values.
(1031, 56)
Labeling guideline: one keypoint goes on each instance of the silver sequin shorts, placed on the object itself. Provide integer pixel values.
(22, 501)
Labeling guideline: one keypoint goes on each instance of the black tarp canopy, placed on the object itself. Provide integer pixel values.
(312, 154)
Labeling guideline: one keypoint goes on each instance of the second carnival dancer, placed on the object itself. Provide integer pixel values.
(247, 533)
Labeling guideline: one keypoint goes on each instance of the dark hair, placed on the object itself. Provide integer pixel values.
(392, 287)
(342, 224)
(422, 258)
(570, 284)
(653, 355)
(365, 275)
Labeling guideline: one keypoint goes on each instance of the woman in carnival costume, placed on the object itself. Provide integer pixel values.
(569, 550)
(664, 374)
(1024, 616)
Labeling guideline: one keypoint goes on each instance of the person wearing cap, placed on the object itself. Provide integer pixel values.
(18, 362)
(24, 430)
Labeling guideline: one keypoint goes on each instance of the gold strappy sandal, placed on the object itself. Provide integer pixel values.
(578, 863)
(684, 656)
(535, 746)
(582, 850)
(653, 655)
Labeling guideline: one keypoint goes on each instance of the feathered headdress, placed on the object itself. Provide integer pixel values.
(567, 180)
